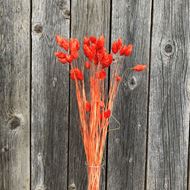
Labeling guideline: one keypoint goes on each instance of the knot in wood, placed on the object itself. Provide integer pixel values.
(67, 13)
(38, 28)
(132, 83)
(61, 5)
(168, 48)
(14, 122)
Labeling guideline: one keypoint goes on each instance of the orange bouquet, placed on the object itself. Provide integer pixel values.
(95, 107)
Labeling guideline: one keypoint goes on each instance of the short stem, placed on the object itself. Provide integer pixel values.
(94, 173)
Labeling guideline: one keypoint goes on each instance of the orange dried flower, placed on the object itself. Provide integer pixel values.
(129, 50)
(62, 60)
(116, 46)
(123, 49)
(118, 78)
(107, 60)
(88, 52)
(93, 39)
(107, 113)
(87, 65)
(74, 44)
(126, 50)
(86, 41)
(93, 49)
(139, 68)
(60, 55)
(88, 106)
(62, 42)
(76, 74)
(69, 58)
(101, 74)
(74, 54)
(119, 43)
(100, 54)
(100, 42)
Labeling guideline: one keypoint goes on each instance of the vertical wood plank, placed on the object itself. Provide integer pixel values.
(14, 94)
(50, 96)
(169, 96)
(89, 17)
(127, 146)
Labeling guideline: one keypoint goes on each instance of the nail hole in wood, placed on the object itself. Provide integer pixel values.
(14, 122)
(38, 28)
(41, 187)
(117, 140)
(130, 160)
(72, 187)
(4, 149)
(54, 81)
(168, 48)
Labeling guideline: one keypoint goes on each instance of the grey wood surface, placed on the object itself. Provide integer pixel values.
(14, 94)
(50, 96)
(168, 136)
(150, 151)
(127, 145)
(89, 17)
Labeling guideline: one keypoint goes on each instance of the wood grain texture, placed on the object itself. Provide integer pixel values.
(169, 97)
(58, 160)
(50, 96)
(127, 146)
(14, 94)
(89, 17)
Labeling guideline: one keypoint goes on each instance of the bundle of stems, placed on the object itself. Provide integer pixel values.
(95, 107)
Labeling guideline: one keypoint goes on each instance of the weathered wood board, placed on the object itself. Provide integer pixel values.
(50, 96)
(131, 20)
(14, 94)
(89, 17)
(168, 135)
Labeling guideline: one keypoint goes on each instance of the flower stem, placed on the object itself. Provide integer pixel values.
(94, 173)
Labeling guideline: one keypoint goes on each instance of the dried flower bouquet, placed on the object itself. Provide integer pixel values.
(95, 107)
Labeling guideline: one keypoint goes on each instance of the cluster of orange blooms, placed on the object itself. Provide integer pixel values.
(96, 53)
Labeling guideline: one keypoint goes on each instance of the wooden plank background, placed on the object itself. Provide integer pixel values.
(40, 144)
(14, 94)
